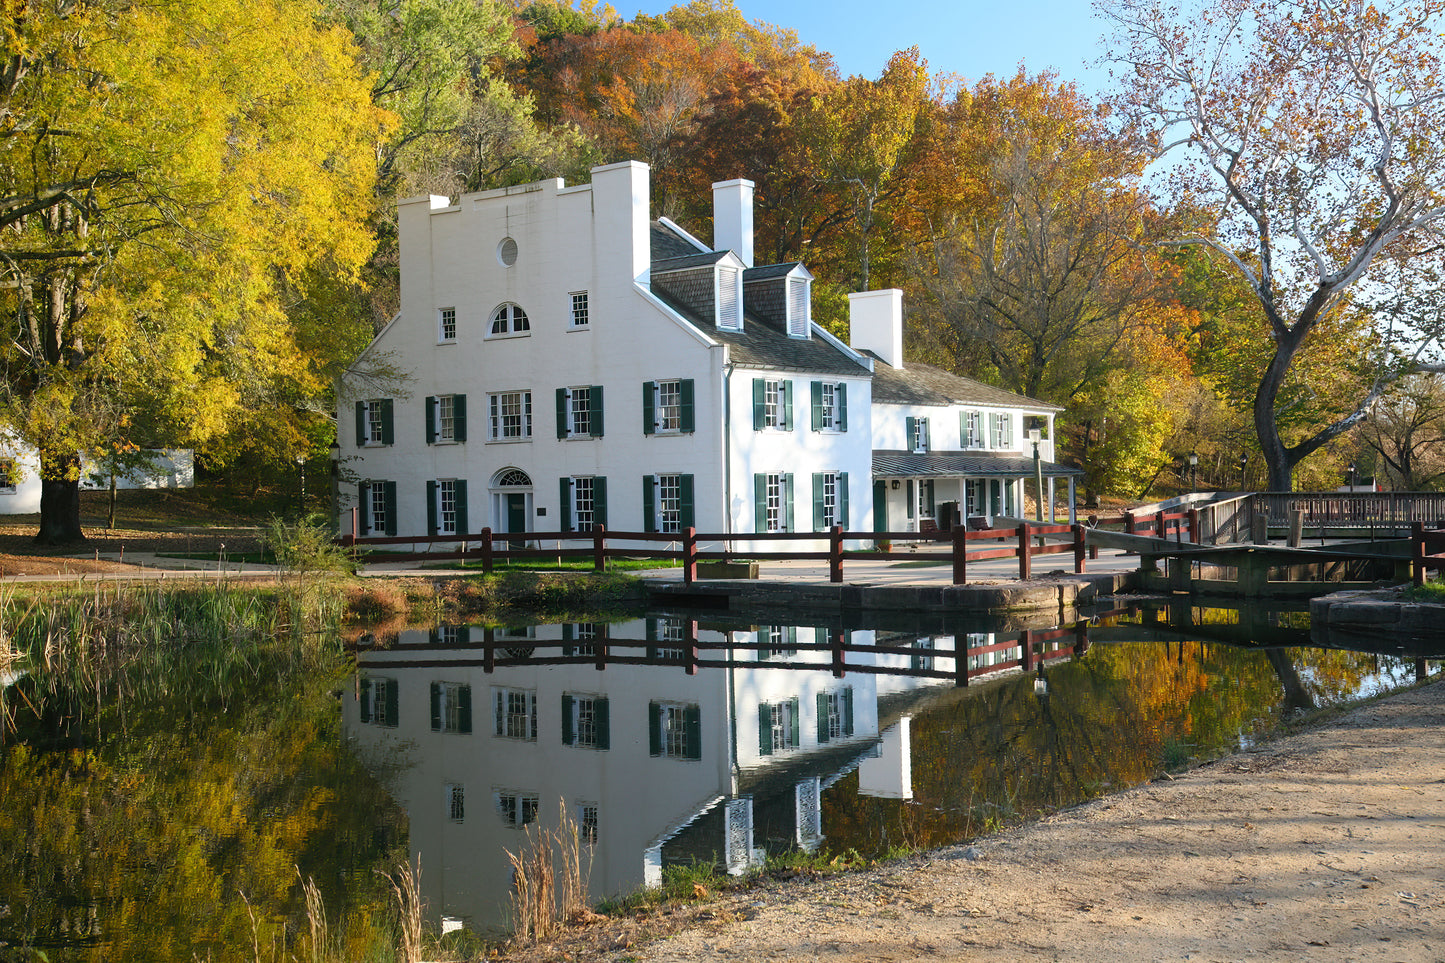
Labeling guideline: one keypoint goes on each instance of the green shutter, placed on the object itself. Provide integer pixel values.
(794, 727)
(499, 712)
(963, 429)
(848, 711)
(822, 715)
(431, 419)
(765, 729)
(602, 720)
(928, 497)
(786, 390)
(388, 497)
(366, 685)
(459, 417)
(564, 512)
(760, 502)
(360, 423)
(910, 427)
(843, 499)
(910, 502)
(388, 432)
(599, 500)
(652, 632)
(654, 729)
(436, 707)
(363, 512)
(464, 708)
(431, 508)
(760, 404)
(840, 418)
(594, 412)
(568, 736)
(561, 412)
(649, 412)
(692, 718)
(819, 483)
(689, 397)
(927, 433)
(817, 391)
(685, 489)
(649, 503)
(460, 487)
(788, 503)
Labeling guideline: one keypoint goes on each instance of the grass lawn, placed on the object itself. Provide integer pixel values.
(567, 565)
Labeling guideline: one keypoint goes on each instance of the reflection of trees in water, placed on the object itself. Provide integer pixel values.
(1111, 719)
(141, 837)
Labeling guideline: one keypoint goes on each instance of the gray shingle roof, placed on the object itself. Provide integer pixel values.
(696, 259)
(665, 243)
(953, 463)
(923, 384)
(767, 271)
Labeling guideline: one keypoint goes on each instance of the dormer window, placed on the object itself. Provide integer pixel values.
(729, 298)
(800, 313)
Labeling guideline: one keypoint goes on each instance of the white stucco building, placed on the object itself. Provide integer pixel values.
(574, 362)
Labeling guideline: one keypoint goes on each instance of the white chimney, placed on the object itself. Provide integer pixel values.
(875, 323)
(621, 196)
(732, 218)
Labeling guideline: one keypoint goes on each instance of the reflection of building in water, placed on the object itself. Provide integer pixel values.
(656, 764)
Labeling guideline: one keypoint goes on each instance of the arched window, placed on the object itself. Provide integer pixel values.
(509, 319)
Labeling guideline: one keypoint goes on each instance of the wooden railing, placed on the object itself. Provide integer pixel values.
(1353, 509)
(1427, 551)
(1035, 648)
(1027, 540)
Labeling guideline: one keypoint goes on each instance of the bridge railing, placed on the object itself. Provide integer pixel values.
(1352, 509)
(690, 547)
(1427, 551)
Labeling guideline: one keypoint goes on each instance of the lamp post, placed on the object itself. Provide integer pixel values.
(1352, 476)
(335, 485)
(1243, 464)
(1036, 436)
(1193, 470)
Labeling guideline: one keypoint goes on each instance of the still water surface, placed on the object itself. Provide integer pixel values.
(169, 828)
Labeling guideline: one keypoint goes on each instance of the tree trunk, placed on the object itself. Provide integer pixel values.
(1277, 458)
(59, 500)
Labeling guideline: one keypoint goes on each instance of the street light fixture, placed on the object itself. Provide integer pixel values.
(1035, 436)
(1352, 476)
(1193, 470)
(1243, 464)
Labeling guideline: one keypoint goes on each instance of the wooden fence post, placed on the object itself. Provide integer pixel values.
(835, 642)
(689, 628)
(1161, 527)
(960, 660)
(1094, 549)
(487, 550)
(1026, 649)
(835, 554)
(489, 650)
(1079, 552)
(1194, 525)
(1024, 550)
(689, 555)
(960, 555)
(1417, 551)
(1128, 523)
(599, 548)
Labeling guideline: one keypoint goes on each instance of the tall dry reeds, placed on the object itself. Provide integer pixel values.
(549, 879)
(406, 885)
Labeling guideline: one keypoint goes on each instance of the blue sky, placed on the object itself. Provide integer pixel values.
(967, 38)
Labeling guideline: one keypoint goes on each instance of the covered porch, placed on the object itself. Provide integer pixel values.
(924, 491)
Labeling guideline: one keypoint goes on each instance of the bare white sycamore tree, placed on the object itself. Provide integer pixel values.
(1315, 130)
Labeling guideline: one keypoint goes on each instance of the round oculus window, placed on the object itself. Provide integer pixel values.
(507, 252)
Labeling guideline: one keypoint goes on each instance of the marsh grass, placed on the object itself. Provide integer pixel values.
(549, 875)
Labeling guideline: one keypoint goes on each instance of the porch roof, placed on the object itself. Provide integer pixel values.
(907, 464)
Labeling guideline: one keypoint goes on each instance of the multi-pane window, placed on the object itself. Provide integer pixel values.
(381, 520)
(446, 418)
(669, 406)
(669, 632)
(376, 412)
(774, 503)
(772, 404)
(456, 802)
(510, 415)
(451, 707)
(379, 702)
(830, 500)
(447, 634)
(1001, 425)
(9, 476)
(835, 714)
(579, 411)
(926, 505)
(579, 309)
(971, 429)
(827, 407)
(514, 713)
(447, 506)
(509, 319)
(585, 721)
(583, 503)
(778, 726)
(446, 324)
(917, 434)
(587, 823)
(517, 809)
(584, 635)
(777, 641)
(669, 503)
(675, 730)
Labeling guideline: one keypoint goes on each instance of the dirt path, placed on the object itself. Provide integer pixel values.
(1326, 846)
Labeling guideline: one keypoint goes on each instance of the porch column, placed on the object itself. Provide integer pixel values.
(1051, 499)
(1073, 519)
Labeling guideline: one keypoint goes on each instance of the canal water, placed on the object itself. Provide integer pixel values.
(167, 824)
